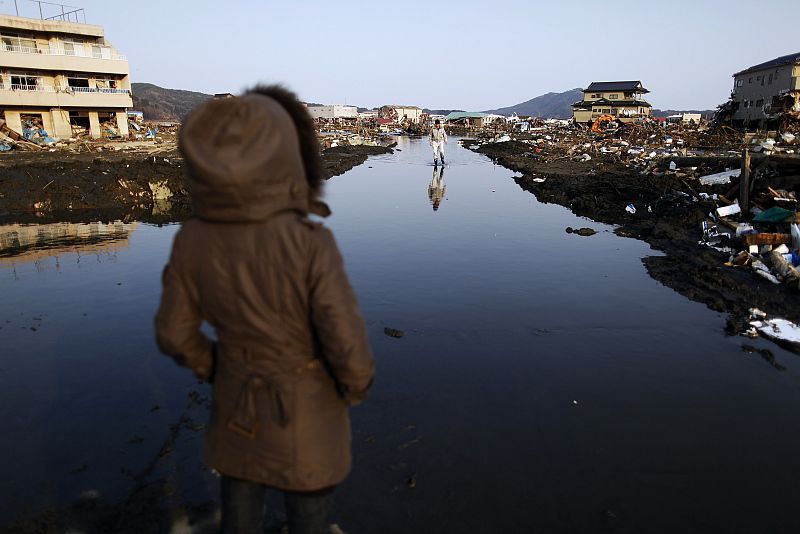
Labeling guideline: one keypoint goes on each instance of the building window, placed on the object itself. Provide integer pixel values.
(17, 43)
(595, 96)
(613, 96)
(739, 83)
(73, 47)
(770, 79)
(758, 78)
(750, 79)
(745, 103)
(759, 102)
(76, 82)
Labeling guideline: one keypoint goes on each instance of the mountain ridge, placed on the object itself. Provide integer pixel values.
(159, 103)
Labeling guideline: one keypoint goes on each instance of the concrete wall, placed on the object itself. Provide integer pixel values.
(43, 62)
(62, 99)
(335, 111)
(23, 24)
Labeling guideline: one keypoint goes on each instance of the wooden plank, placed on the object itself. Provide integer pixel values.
(767, 239)
(744, 183)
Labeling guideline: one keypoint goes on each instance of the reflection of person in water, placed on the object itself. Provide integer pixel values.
(436, 189)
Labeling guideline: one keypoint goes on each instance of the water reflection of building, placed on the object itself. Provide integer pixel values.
(437, 188)
(22, 243)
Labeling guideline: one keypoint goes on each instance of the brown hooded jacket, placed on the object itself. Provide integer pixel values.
(292, 349)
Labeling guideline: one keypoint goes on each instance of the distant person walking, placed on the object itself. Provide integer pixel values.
(292, 352)
(437, 139)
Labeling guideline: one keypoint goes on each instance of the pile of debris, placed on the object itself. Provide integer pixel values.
(359, 136)
(9, 139)
(641, 145)
(32, 130)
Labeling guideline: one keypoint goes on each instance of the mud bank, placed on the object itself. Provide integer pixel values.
(666, 218)
(338, 160)
(57, 185)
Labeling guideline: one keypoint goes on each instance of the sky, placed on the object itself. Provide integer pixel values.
(445, 54)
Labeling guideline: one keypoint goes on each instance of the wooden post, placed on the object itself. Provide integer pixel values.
(744, 183)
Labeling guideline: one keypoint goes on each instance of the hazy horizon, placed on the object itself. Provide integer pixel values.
(447, 55)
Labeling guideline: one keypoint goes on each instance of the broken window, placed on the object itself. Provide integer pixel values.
(759, 103)
(25, 82)
(78, 82)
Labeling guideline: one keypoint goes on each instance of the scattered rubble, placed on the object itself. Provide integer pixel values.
(44, 178)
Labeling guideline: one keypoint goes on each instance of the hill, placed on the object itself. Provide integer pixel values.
(559, 106)
(550, 105)
(159, 103)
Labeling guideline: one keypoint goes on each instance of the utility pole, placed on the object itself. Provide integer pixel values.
(16, 7)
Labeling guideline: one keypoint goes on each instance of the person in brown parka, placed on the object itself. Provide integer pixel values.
(292, 352)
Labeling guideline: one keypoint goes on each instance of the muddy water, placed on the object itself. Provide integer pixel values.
(544, 381)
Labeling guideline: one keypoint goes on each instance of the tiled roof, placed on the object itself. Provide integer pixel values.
(616, 86)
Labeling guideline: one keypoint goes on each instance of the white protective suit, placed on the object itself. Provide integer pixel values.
(438, 138)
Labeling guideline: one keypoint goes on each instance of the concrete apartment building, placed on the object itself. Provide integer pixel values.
(622, 100)
(63, 72)
(765, 91)
(332, 112)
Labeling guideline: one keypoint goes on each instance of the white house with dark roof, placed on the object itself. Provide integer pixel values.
(621, 100)
(767, 90)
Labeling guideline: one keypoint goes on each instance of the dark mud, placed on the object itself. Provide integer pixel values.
(338, 160)
(40, 187)
(666, 218)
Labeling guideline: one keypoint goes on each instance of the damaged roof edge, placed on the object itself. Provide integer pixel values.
(777, 62)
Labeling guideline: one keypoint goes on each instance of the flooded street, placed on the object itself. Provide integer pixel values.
(544, 383)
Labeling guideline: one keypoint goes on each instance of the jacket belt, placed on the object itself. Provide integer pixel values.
(245, 419)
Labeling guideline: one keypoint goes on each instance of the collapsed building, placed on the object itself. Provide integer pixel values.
(766, 94)
(60, 74)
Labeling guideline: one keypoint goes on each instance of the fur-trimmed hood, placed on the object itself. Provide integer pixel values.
(247, 159)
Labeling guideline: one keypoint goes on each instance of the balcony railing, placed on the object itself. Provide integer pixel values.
(58, 89)
(52, 51)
